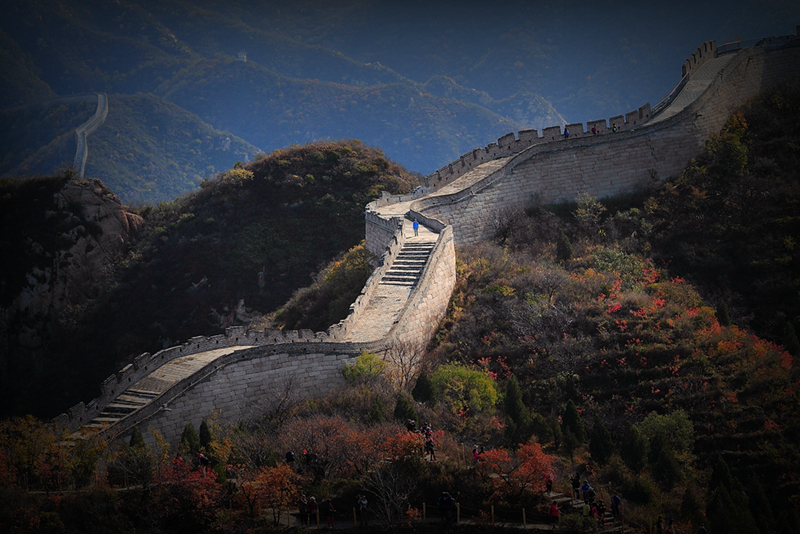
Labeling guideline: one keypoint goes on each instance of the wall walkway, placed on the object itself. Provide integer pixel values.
(238, 375)
(83, 131)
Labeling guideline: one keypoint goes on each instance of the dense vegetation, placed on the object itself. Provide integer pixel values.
(228, 254)
(148, 150)
(570, 347)
(39, 138)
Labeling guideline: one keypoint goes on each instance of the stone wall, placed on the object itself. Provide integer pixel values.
(510, 144)
(428, 303)
(617, 162)
(380, 232)
(88, 127)
(242, 385)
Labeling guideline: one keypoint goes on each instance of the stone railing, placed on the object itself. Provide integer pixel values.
(510, 144)
(268, 339)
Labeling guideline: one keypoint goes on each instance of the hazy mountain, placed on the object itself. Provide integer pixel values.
(427, 82)
(148, 149)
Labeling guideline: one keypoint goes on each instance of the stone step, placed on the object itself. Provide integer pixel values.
(407, 268)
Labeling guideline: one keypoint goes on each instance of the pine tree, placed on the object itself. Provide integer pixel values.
(666, 468)
(518, 416)
(723, 315)
(137, 441)
(377, 413)
(190, 442)
(692, 509)
(633, 450)
(601, 447)
(569, 443)
(728, 506)
(571, 420)
(760, 505)
(563, 247)
(205, 435)
(424, 390)
(403, 411)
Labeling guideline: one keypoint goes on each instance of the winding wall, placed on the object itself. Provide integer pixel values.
(611, 162)
(459, 203)
(83, 131)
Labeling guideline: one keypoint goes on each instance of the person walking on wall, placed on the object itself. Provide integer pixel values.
(302, 509)
(616, 502)
(566, 133)
(416, 228)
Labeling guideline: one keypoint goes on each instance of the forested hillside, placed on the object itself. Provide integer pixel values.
(286, 92)
(148, 150)
(227, 254)
(645, 345)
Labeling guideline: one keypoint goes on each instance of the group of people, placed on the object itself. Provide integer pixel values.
(593, 507)
(446, 505)
(427, 431)
(308, 509)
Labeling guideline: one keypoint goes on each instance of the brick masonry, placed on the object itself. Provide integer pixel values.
(461, 203)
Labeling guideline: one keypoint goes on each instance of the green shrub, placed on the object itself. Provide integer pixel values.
(365, 369)
(403, 411)
(465, 388)
(639, 490)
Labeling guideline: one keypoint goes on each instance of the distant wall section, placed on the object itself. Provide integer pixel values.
(621, 161)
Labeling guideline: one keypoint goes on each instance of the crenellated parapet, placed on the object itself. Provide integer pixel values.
(511, 144)
(329, 351)
(704, 52)
(606, 158)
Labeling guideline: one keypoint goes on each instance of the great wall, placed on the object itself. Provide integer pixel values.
(84, 130)
(236, 374)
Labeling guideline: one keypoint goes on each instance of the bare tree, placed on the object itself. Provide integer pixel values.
(404, 359)
(276, 405)
(506, 223)
(395, 484)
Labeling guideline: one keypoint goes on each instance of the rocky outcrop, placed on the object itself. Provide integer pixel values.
(95, 232)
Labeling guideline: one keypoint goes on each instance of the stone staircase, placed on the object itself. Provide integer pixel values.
(409, 264)
(144, 391)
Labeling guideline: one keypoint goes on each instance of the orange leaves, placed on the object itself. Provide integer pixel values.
(272, 488)
(181, 489)
(512, 475)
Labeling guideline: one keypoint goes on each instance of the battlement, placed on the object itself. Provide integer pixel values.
(603, 158)
(250, 343)
(511, 144)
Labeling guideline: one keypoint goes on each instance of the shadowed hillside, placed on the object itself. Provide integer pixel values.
(225, 255)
